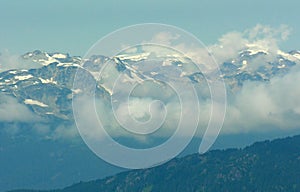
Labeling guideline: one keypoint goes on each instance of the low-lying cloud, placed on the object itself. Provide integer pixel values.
(259, 106)
(13, 111)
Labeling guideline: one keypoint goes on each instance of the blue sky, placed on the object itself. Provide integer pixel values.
(73, 26)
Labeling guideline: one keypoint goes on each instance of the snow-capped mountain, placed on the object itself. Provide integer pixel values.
(47, 90)
(257, 64)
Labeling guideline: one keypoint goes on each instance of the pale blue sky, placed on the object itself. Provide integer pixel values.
(73, 26)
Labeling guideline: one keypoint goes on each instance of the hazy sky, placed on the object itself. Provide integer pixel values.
(73, 26)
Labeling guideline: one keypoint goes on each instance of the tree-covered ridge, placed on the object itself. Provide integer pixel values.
(263, 166)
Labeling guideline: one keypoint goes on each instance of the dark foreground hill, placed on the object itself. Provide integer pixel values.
(264, 166)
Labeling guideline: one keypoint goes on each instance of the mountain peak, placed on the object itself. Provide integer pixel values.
(45, 58)
(253, 49)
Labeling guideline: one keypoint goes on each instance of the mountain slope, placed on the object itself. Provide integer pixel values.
(264, 166)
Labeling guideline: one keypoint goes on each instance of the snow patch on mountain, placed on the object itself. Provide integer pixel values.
(254, 49)
(48, 80)
(25, 77)
(288, 56)
(68, 65)
(34, 102)
(134, 57)
(59, 56)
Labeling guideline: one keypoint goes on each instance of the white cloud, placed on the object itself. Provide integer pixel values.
(165, 38)
(13, 111)
(262, 37)
(258, 105)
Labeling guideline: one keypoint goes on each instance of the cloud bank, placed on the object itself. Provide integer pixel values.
(261, 106)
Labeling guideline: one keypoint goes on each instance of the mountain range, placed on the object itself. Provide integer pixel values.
(47, 90)
(42, 88)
